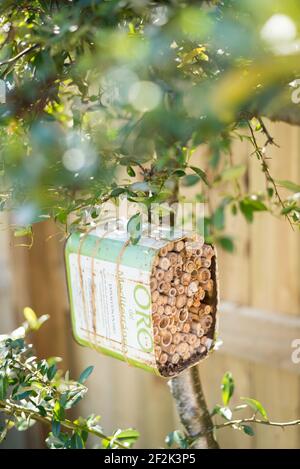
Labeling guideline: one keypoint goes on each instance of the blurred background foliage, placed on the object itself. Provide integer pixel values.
(102, 94)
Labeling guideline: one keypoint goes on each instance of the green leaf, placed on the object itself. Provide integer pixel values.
(256, 406)
(31, 318)
(128, 436)
(85, 374)
(234, 172)
(51, 372)
(3, 387)
(201, 174)
(227, 387)
(218, 218)
(23, 395)
(134, 228)
(42, 410)
(55, 428)
(130, 171)
(226, 243)
(118, 191)
(179, 173)
(224, 412)
(58, 411)
(76, 442)
(191, 180)
(291, 186)
(177, 437)
(248, 430)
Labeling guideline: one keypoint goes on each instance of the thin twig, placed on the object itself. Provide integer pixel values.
(18, 56)
(239, 422)
(266, 170)
(8, 407)
(270, 139)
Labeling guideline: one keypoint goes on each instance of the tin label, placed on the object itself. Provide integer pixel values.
(108, 319)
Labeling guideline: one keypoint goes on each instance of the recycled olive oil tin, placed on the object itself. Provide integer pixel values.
(110, 296)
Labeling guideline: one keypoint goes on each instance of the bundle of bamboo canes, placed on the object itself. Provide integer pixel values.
(183, 314)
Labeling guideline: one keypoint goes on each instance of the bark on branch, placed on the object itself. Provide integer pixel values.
(192, 408)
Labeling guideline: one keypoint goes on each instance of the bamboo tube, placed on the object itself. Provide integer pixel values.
(205, 262)
(172, 292)
(198, 261)
(186, 279)
(193, 287)
(176, 282)
(189, 302)
(197, 328)
(154, 308)
(157, 339)
(194, 274)
(207, 251)
(171, 300)
(164, 263)
(173, 329)
(179, 246)
(180, 289)
(194, 317)
(183, 315)
(165, 300)
(186, 328)
(174, 311)
(163, 251)
(176, 338)
(163, 323)
(206, 321)
(161, 286)
(187, 355)
(169, 349)
(177, 270)
(155, 296)
(155, 319)
(189, 266)
(163, 358)
(200, 295)
(166, 338)
(196, 303)
(173, 257)
(193, 249)
(159, 275)
(169, 275)
(168, 310)
(160, 300)
(182, 348)
(153, 284)
(205, 309)
(180, 301)
(175, 358)
(203, 275)
(203, 349)
(160, 310)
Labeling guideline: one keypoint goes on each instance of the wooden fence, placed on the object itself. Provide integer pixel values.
(259, 319)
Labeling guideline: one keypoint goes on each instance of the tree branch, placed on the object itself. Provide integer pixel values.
(192, 408)
(10, 408)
